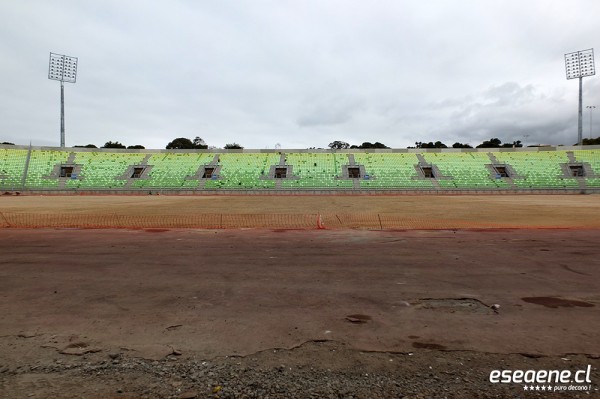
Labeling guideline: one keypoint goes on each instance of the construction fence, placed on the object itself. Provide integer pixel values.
(367, 221)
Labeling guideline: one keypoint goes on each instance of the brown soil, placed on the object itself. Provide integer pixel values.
(281, 313)
(372, 212)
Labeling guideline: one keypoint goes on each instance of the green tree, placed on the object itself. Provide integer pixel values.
(491, 143)
(595, 141)
(431, 144)
(200, 143)
(460, 145)
(514, 144)
(233, 146)
(136, 147)
(110, 144)
(367, 144)
(180, 143)
(339, 145)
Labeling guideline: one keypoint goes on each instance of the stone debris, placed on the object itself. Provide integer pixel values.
(245, 378)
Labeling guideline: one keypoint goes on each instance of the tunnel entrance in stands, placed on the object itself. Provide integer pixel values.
(354, 173)
(208, 173)
(428, 172)
(577, 170)
(66, 171)
(137, 172)
(280, 173)
(501, 171)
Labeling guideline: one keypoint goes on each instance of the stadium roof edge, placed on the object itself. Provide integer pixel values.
(292, 150)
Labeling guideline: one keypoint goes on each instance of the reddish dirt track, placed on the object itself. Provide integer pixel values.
(209, 293)
(238, 292)
(367, 212)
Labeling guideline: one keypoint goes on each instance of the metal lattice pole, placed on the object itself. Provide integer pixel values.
(579, 65)
(62, 114)
(64, 69)
(580, 114)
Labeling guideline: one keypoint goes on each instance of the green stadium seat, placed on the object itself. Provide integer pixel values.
(539, 170)
(391, 171)
(101, 170)
(319, 170)
(467, 170)
(12, 167)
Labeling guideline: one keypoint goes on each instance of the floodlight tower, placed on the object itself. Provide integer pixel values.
(64, 69)
(578, 65)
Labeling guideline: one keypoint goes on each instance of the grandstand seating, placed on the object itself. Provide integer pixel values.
(389, 171)
(317, 170)
(103, 169)
(169, 170)
(12, 165)
(243, 171)
(538, 169)
(593, 158)
(466, 170)
(36, 169)
(41, 165)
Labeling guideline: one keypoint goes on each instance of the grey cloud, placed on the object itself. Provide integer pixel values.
(301, 73)
(510, 112)
(329, 110)
(510, 94)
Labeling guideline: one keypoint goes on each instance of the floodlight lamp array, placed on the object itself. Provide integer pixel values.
(580, 64)
(63, 68)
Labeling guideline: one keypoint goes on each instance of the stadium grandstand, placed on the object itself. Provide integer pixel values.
(82, 170)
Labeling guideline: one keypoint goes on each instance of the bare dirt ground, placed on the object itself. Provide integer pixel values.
(370, 212)
(184, 313)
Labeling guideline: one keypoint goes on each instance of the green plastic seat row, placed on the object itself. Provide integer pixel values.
(458, 170)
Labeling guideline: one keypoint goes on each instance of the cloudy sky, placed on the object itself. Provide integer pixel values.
(296, 73)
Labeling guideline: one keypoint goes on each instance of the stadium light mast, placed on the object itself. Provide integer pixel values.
(62, 68)
(591, 108)
(578, 65)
